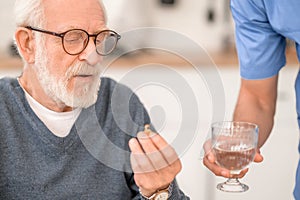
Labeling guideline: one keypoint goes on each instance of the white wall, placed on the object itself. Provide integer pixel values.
(6, 24)
(188, 17)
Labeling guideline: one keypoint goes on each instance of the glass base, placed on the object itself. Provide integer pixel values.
(232, 185)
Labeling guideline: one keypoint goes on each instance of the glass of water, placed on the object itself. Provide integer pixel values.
(234, 146)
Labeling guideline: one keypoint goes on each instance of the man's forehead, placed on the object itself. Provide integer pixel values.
(77, 10)
(62, 15)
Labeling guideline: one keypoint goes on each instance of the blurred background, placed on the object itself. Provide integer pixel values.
(206, 25)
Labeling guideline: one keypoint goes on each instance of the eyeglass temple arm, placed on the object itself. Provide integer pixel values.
(44, 31)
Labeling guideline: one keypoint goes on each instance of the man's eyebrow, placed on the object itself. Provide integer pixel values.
(100, 29)
(66, 28)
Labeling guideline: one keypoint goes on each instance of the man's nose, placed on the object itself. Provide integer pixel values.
(90, 54)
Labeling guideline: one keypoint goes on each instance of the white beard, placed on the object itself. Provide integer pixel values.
(82, 95)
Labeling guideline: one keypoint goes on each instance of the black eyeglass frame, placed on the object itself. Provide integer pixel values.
(62, 35)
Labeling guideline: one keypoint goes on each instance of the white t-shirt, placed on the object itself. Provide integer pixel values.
(59, 123)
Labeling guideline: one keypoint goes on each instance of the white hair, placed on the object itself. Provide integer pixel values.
(29, 13)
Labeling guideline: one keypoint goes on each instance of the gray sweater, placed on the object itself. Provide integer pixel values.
(92, 162)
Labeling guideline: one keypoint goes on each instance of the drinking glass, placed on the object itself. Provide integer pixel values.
(234, 147)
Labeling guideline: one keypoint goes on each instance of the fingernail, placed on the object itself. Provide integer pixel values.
(132, 141)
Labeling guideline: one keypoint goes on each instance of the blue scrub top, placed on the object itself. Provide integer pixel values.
(262, 27)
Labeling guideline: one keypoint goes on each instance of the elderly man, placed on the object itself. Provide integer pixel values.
(64, 132)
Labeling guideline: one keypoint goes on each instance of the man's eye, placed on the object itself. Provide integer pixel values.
(74, 37)
(98, 41)
(72, 40)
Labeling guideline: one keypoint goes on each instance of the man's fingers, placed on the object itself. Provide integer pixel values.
(243, 173)
(210, 162)
(140, 163)
(207, 146)
(146, 142)
(154, 151)
(217, 170)
(160, 153)
(258, 157)
(168, 152)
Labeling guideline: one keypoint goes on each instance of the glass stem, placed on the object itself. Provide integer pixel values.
(233, 181)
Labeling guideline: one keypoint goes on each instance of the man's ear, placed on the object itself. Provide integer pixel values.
(26, 44)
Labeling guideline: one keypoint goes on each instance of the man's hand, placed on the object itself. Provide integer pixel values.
(154, 162)
(210, 162)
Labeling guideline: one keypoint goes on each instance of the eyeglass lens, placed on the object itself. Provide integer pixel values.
(75, 41)
(106, 42)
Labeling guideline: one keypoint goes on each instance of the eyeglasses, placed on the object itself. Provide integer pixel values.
(75, 41)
